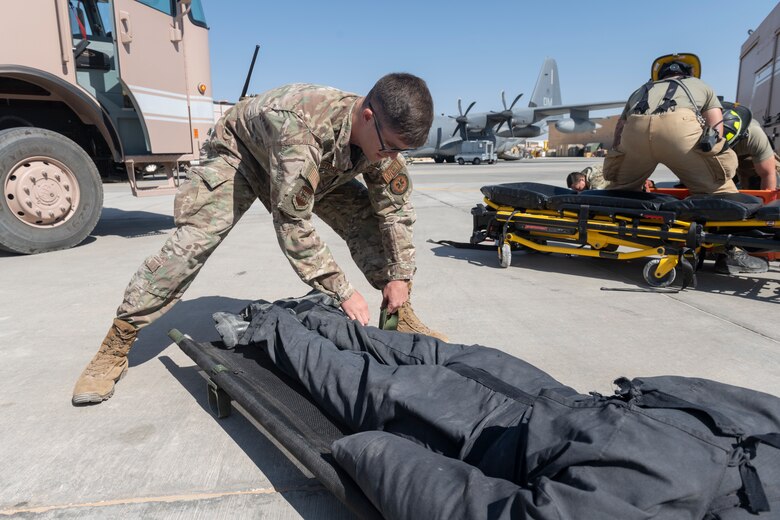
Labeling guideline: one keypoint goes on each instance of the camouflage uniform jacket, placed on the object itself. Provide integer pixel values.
(299, 135)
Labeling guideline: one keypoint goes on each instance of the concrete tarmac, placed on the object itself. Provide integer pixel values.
(155, 451)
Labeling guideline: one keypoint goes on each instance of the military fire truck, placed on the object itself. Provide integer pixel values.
(92, 88)
(759, 74)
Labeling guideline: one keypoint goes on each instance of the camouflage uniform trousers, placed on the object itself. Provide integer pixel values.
(206, 208)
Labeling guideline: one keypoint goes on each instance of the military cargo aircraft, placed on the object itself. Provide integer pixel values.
(508, 127)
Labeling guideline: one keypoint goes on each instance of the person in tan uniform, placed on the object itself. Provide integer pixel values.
(298, 148)
(758, 165)
(674, 119)
(677, 120)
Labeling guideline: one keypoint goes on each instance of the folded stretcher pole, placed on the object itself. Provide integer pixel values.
(287, 414)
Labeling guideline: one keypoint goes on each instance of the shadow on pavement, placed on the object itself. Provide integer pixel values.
(753, 287)
(127, 224)
(192, 317)
(130, 224)
(285, 477)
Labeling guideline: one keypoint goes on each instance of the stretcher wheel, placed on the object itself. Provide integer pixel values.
(505, 255)
(652, 281)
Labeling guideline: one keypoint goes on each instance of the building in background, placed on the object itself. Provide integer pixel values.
(583, 144)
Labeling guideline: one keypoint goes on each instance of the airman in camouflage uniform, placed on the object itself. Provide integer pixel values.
(299, 149)
(590, 178)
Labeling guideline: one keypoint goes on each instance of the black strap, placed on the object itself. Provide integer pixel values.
(755, 497)
(770, 439)
(582, 223)
(667, 103)
(642, 105)
(699, 117)
(720, 423)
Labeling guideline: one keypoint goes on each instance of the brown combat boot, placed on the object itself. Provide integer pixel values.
(109, 365)
(409, 322)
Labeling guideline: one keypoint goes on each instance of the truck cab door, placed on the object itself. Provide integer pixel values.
(150, 52)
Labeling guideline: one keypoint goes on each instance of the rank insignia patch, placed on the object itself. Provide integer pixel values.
(303, 198)
(399, 184)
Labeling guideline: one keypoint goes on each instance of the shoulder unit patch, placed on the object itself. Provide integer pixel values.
(303, 197)
(400, 184)
(393, 169)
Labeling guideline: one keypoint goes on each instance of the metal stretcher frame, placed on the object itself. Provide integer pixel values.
(648, 233)
(281, 406)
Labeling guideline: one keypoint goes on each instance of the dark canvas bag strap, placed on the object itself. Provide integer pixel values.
(658, 399)
(756, 500)
(755, 496)
(771, 439)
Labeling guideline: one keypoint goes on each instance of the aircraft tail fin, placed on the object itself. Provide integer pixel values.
(547, 91)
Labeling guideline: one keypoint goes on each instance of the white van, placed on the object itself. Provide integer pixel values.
(476, 152)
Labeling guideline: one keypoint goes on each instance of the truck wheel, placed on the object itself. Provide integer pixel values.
(476, 161)
(461, 161)
(52, 194)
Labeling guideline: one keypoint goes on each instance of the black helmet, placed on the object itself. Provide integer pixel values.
(685, 64)
(736, 119)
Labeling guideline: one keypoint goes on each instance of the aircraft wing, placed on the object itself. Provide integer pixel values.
(576, 111)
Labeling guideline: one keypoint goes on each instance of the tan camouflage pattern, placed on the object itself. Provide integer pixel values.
(206, 208)
(594, 175)
(290, 148)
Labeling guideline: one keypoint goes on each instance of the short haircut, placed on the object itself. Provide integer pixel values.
(574, 177)
(406, 105)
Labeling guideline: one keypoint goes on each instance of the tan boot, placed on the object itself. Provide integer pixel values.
(109, 365)
(409, 322)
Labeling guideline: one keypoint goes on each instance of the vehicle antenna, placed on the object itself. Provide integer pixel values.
(249, 74)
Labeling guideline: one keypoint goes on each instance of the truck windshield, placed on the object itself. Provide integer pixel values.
(197, 15)
(90, 19)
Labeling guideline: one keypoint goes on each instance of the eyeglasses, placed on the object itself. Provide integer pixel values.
(382, 147)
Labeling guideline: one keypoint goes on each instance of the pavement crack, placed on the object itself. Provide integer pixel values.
(722, 318)
(163, 499)
(459, 208)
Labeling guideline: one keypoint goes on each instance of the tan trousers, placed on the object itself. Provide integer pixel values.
(670, 139)
(748, 178)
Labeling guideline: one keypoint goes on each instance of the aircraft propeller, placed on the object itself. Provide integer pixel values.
(507, 113)
(462, 120)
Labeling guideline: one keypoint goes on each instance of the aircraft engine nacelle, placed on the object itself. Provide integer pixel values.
(570, 125)
(521, 131)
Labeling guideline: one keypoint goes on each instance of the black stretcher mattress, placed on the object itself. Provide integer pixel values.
(700, 208)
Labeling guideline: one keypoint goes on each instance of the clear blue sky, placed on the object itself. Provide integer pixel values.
(473, 49)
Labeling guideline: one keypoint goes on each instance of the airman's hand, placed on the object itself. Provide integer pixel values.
(356, 308)
(395, 294)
